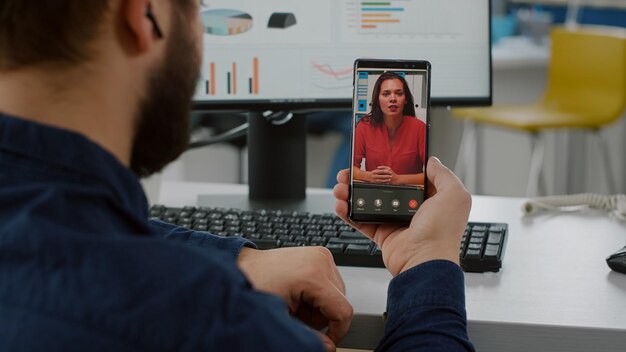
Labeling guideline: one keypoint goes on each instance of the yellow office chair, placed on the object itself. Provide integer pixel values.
(586, 89)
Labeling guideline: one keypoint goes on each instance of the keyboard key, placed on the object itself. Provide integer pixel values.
(216, 228)
(285, 238)
(232, 228)
(184, 214)
(494, 238)
(357, 235)
(302, 239)
(297, 227)
(476, 240)
(328, 234)
(358, 249)
(200, 221)
(318, 238)
(497, 228)
(492, 247)
(199, 215)
(201, 228)
(281, 232)
(265, 243)
(472, 254)
(478, 234)
(297, 232)
(313, 233)
(290, 244)
(474, 246)
(329, 228)
(491, 255)
(281, 226)
(336, 247)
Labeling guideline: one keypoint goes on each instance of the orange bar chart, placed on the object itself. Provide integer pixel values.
(212, 79)
(232, 75)
(376, 13)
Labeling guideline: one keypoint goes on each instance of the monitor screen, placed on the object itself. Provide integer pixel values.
(277, 54)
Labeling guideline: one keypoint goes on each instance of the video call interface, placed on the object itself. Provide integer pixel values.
(388, 168)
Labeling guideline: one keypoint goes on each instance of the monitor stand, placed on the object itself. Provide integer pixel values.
(276, 169)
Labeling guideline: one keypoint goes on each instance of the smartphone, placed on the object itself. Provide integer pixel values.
(391, 103)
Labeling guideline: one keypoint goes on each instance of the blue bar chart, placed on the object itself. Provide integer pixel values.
(404, 17)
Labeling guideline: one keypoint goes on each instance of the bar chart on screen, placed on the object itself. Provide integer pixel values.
(231, 78)
(409, 18)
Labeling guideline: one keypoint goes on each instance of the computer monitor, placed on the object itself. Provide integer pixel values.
(298, 55)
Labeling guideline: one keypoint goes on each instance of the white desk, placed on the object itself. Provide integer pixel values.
(554, 292)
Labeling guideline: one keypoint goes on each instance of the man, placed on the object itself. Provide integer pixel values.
(92, 90)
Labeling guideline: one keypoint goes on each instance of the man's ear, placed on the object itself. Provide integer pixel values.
(140, 27)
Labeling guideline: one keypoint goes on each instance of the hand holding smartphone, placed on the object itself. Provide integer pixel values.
(390, 140)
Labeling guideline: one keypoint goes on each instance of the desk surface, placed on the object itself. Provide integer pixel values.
(554, 292)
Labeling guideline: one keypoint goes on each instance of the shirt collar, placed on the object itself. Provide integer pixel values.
(48, 148)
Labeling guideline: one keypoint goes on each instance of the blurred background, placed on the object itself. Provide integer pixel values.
(521, 55)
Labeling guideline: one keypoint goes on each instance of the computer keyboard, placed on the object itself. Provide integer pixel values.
(481, 248)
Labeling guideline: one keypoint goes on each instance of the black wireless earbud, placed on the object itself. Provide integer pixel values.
(152, 18)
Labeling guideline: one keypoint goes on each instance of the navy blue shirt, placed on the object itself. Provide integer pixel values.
(83, 269)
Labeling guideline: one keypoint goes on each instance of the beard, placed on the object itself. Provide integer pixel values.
(162, 130)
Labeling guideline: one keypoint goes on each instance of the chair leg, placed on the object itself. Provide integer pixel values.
(467, 152)
(604, 151)
(536, 163)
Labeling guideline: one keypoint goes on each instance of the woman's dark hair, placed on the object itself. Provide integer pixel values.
(376, 115)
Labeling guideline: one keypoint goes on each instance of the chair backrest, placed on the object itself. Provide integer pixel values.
(587, 73)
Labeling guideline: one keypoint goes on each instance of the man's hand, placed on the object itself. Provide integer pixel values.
(308, 280)
(435, 231)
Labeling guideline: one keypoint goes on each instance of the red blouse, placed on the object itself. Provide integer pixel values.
(409, 148)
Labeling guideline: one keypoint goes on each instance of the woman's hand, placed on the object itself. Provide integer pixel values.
(379, 175)
(387, 174)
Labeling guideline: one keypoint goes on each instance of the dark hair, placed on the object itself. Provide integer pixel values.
(52, 31)
(47, 31)
(376, 115)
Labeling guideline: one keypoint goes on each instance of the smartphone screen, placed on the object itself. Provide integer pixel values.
(389, 140)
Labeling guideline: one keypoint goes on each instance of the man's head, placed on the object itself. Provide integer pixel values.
(59, 35)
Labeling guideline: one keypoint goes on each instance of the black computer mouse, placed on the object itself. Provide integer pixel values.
(281, 20)
(617, 261)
